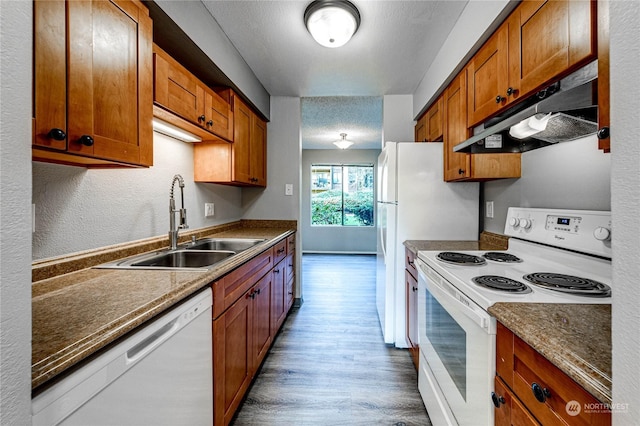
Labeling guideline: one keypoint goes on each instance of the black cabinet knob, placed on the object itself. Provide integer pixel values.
(499, 99)
(511, 91)
(540, 393)
(603, 133)
(86, 140)
(210, 123)
(460, 171)
(202, 118)
(497, 400)
(57, 134)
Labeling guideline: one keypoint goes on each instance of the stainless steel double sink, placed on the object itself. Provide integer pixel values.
(200, 254)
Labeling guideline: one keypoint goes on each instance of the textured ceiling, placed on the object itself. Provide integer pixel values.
(389, 54)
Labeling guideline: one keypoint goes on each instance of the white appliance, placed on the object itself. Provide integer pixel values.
(414, 203)
(160, 375)
(554, 256)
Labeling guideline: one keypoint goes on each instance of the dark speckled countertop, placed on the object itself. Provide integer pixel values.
(575, 338)
(77, 310)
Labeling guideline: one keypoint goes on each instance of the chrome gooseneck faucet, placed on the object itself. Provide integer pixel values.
(173, 229)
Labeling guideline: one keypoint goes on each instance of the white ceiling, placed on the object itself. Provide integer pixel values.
(389, 54)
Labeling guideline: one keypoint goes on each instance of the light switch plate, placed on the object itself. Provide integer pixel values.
(208, 209)
(488, 210)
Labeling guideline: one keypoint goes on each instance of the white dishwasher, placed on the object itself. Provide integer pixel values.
(159, 375)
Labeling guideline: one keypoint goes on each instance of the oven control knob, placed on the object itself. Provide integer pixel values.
(525, 223)
(514, 221)
(601, 233)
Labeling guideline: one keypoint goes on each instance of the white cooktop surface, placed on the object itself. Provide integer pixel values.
(535, 258)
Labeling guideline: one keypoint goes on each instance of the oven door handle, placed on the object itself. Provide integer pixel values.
(448, 295)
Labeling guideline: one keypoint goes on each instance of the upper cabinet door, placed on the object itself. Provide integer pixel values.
(258, 151)
(487, 73)
(548, 39)
(109, 92)
(241, 141)
(456, 164)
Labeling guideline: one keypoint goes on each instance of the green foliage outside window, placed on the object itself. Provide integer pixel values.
(342, 203)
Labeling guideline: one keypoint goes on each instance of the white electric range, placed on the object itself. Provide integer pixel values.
(554, 256)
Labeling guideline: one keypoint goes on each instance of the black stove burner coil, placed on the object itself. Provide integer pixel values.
(460, 258)
(503, 257)
(569, 284)
(498, 283)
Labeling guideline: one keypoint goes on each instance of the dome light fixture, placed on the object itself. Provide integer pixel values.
(343, 143)
(332, 23)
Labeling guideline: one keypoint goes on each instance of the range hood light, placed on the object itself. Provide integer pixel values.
(529, 127)
(173, 131)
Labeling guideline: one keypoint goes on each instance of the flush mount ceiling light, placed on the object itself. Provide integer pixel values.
(343, 143)
(332, 23)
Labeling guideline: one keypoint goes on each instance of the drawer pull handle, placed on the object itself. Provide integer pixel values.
(497, 400)
(540, 393)
(280, 251)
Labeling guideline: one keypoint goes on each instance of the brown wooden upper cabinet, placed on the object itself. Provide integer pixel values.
(541, 41)
(459, 166)
(241, 163)
(429, 126)
(180, 93)
(93, 83)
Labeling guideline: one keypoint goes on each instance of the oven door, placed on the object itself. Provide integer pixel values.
(457, 349)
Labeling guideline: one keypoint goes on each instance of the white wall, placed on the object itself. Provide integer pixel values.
(79, 209)
(15, 212)
(334, 239)
(283, 165)
(625, 205)
(397, 124)
(574, 175)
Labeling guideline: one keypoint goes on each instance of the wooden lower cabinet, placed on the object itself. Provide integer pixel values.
(529, 389)
(411, 289)
(241, 340)
(250, 305)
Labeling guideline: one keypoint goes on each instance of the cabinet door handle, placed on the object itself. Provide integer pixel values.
(276, 271)
(460, 171)
(603, 133)
(511, 91)
(497, 400)
(539, 392)
(210, 123)
(57, 134)
(500, 99)
(202, 118)
(280, 251)
(86, 140)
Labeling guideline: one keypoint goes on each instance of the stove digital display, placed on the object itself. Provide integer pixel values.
(564, 221)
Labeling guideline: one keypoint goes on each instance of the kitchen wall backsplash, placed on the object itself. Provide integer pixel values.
(78, 209)
(569, 175)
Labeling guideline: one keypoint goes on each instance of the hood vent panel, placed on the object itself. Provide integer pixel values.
(564, 111)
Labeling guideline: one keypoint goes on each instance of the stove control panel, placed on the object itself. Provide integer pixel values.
(563, 223)
(585, 231)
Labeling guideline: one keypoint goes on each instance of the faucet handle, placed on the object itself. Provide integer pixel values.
(183, 219)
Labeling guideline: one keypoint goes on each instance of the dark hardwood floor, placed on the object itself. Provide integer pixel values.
(329, 364)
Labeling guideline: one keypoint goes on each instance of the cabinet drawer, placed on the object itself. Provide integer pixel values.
(233, 285)
(291, 243)
(548, 392)
(409, 263)
(279, 251)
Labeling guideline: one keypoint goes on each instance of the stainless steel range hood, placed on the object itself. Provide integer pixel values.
(566, 110)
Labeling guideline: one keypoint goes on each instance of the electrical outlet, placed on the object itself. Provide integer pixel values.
(288, 189)
(208, 209)
(488, 209)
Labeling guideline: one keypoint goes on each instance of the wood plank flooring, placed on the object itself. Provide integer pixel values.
(329, 364)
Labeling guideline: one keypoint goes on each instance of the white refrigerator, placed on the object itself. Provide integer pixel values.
(414, 203)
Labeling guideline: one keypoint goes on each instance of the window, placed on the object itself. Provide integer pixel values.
(342, 195)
